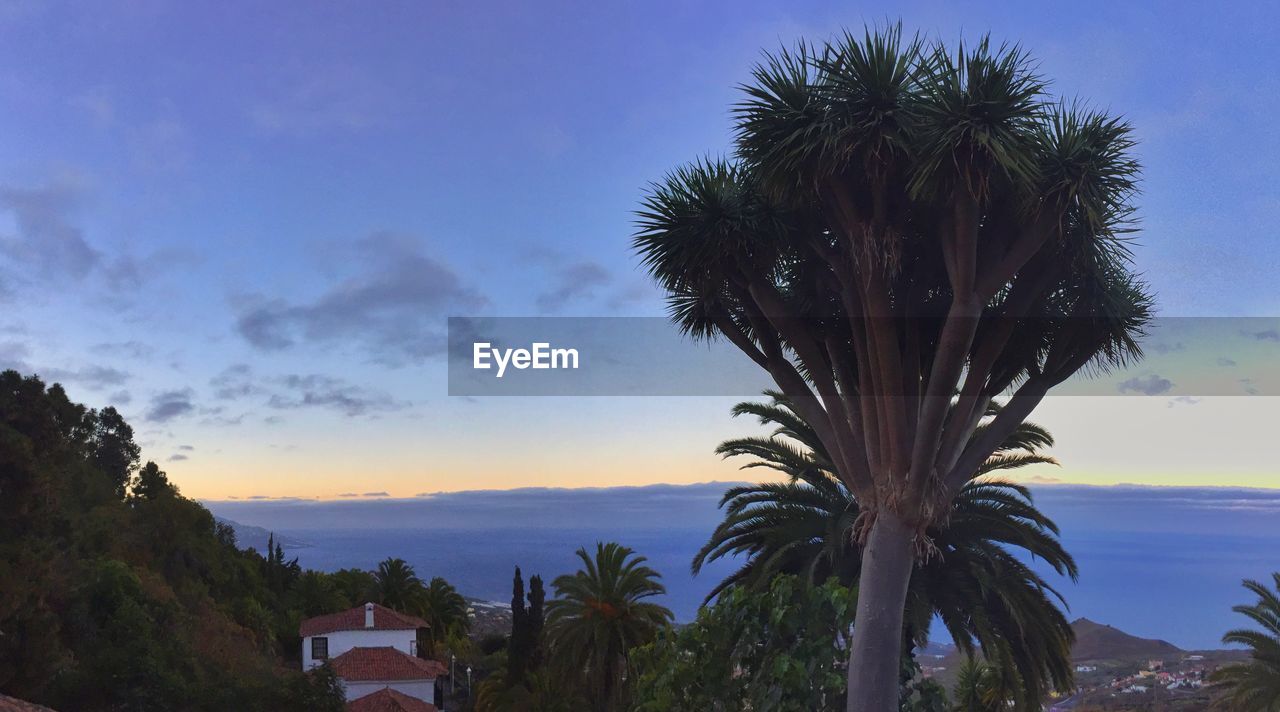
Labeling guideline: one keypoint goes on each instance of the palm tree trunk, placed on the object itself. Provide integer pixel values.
(876, 646)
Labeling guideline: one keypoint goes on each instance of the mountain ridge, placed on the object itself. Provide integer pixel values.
(1102, 641)
(253, 537)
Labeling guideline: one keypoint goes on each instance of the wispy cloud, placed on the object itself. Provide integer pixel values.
(1169, 348)
(47, 240)
(15, 355)
(1151, 385)
(48, 243)
(169, 405)
(575, 281)
(92, 377)
(296, 391)
(128, 349)
(234, 381)
(394, 308)
(1263, 335)
(314, 390)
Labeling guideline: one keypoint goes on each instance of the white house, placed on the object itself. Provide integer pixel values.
(372, 648)
(370, 626)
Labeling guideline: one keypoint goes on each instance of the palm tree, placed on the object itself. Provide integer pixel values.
(539, 692)
(446, 610)
(1254, 686)
(600, 613)
(397, 586)
(970, 577)
(901, 221)
(978, 688)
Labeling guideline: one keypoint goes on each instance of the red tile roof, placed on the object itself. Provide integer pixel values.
(383, 619)
(389, 700)
(13, 704)
(384, 664)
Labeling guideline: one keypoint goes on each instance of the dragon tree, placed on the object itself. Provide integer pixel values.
(903, 232)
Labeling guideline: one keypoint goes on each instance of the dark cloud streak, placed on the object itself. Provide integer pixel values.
(1152, 385)
(394, 309)
(169, 405)
(572, 282)
(299, 391)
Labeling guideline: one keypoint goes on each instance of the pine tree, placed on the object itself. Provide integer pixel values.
(517, 646)
(534, 621)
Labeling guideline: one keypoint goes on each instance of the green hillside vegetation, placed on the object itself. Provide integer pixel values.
(119, 593)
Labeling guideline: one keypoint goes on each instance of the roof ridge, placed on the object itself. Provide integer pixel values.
(420, 662)
(360, 658)
(391, 696)
(354, 618)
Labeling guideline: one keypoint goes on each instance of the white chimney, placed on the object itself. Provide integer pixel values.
(368, 615)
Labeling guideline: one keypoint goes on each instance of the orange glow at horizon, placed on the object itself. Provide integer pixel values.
(1218, 442)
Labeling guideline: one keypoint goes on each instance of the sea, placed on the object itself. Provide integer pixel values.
(1157, 562)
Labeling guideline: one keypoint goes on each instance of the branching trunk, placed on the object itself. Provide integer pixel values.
(876, 277)
(876, 646)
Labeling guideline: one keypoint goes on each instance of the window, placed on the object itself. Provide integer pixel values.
(413, 647)
(319, 648)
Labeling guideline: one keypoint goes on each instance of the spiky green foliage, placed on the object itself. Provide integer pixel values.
(980, 688)
(987, 598)
(892, 211)
(397, 586)
(901, 222)
(1254, 686)
(446, 611)
(599, 614)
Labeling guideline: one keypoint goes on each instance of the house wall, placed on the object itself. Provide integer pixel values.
(343, 640)
(421, 689)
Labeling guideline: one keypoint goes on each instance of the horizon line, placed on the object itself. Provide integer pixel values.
(382, 497)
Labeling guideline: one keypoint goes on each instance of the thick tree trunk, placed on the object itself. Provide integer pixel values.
(876, 647)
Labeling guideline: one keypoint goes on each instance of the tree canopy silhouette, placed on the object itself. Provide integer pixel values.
(120, 593)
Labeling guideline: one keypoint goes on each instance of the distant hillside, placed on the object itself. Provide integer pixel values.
(936, 651)
(1097, 641)
(251, 537)
(489, 618)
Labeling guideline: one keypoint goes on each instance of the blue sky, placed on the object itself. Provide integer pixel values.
(245, 225)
